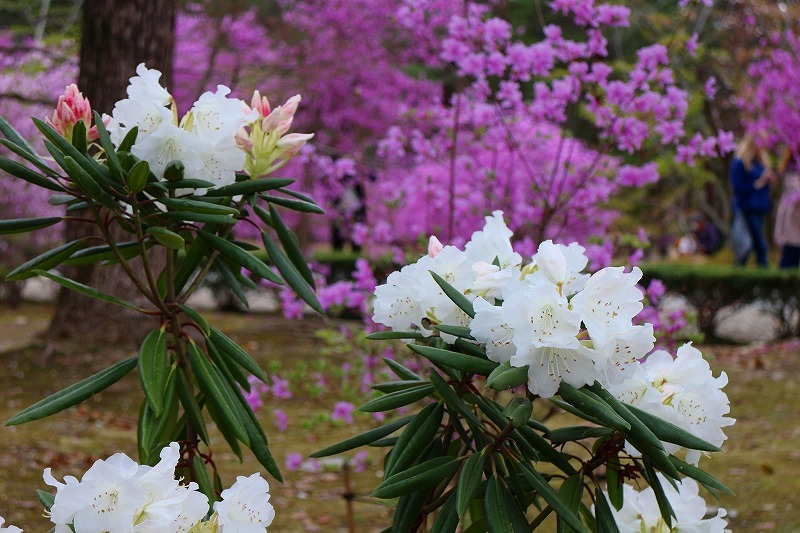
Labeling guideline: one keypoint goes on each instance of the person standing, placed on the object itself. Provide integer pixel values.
(787, 220)
(750, 179)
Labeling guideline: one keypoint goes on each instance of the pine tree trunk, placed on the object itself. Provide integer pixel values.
(116, 36)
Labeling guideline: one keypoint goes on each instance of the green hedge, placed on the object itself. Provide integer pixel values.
(709, 288)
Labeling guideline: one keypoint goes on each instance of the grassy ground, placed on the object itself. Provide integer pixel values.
(757, 462)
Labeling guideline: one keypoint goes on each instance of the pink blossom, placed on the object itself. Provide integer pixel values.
(281, 419)
(293, 461)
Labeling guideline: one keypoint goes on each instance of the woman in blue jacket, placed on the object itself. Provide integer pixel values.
(750, 178)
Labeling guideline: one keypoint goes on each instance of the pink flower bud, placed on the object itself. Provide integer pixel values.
(290, 107)
(434, 247)
(271, 121)
(292, 143)
(71, 108)
(260, 104)
(243, 141)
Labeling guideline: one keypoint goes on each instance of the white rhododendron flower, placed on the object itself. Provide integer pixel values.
(493, 242)
(551, 263)
(245, 506)
(575, 261)
(681, 391)
(118, 495)
(107, 498)
(398, 303)
(609, 301)
(622, 352)
(9, 528)
(489, 327)
(212, 140)
(640, 510)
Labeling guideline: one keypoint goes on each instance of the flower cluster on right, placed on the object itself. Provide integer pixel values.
(562, 324)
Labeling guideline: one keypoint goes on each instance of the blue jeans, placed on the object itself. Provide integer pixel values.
(755, 223)
(790, 256)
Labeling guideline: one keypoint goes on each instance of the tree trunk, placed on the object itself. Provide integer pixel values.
(116, 36)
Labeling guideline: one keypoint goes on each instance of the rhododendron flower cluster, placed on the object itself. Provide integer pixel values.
(117, 494)
(562, 324)
(212, 140)
(680, 390)
(547, 315)
(640, 511)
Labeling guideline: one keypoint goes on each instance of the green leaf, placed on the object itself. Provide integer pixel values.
(465, 363)
(573, 433)
(128, 140)
(32, 157)
(189, 264)
(236, 377)
(401, 371)
(408, 510)
(446, 519)
(553, 499)
(668, 432)
(226, 346)
(417, 436)
(663, 503)
(199, 206)
(250, 187)
(138, 176)
(22, 225)
(605, 520)
(397, 399)
(13, 135)
(391, 335)
(468, 481)
(174, 170)
(693, 472)
(506, 377)
(596, 409)
(91, 292)
(289, 242)
(519, 410)
(363, 439)
(166, 238)
(187, 184)
(45, 261)
(233, 281)
(394, 386)
(295, 205)
(74, 394)
(258, 442)
(641, 432)
(111, 155)
(191, 406)
(46, 499)
(571, 492)
(89, 185)
(189, 216)
(420, 477)
(79, 136)
(202, 478)
(198, 319)
(103, 252)
(292, 276)
(614, 482)
(91, 168)
(154, 368)
(218, 392)
(496, 511)
(240, 257)
(24, 173)
(454, 294)
(456, 331)
(453, 401)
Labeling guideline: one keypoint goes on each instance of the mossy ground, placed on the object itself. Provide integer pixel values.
(759, 461)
